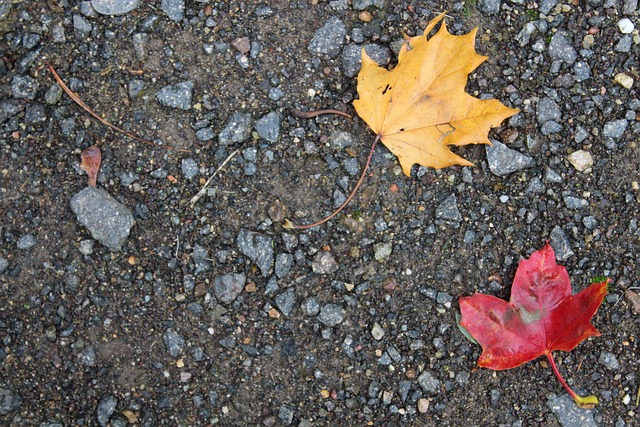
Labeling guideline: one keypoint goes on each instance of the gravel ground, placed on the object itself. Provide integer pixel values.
(128, 304)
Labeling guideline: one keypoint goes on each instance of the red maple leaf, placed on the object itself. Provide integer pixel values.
(542, 316)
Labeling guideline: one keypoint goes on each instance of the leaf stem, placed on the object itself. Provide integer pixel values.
(288, 223)
(587, 402)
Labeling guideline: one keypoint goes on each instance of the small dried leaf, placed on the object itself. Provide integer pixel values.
(91, 159)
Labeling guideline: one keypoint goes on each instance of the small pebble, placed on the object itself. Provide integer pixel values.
(626, 26)
(581, 160)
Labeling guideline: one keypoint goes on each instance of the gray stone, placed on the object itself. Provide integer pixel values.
(135, 86)
(490, 6)
(629, 7)
(9, 401)
(258, 247)
(88, 356)
(9, 109)
(324, 263)
(114, 7)
(609, 360)
(382, 250)
(140, 41)
(205, 134)
(332, 315)
(340, 139)
(364, 4)
(189, 168)
(581, 71)
(310, 306)
(328, 40)
(573, 202)
(284, 262)
(173, 342)
(268, 126)
(174, 9)
(4, 264)
(86, 246)
(545, 6)
(548, 110)
(624, 44)
(429, 383)
(550, 127)
(560, 244)
(286, 300)
(285, 414)
(615, 128)
(237, 128)
(176, 96)
(352, 57)
(35, 114)
(201, 259)
(81, 26)
(106, 408)
(503, 160)
(228, 287)
(560, 48)
(108, 221)
(22, 87)
(26, 242)
(448, 210)
(569, 414)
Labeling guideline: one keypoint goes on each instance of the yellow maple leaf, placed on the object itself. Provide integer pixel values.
(420, 107)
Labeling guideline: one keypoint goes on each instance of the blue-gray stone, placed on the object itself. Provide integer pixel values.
(328, 40)
(176, 96)
(174, 9)
(503, 160)
(569, 414)
(114, 7)
(364, 4)
(268, 126)
(26, 242)
(550, 127)
(201, 259)
(35, 114)
(88, 356)
(340, 139)
(490, 6)
(310, 306)
(285, 414)
(546, 6)
(615, 128)
(258, 247)
(624, 44)
(573, 202)
(429, 383)
(189, 168)
(352, 57)
(81, 26)
(108, 221)
(560, 244)
(173, 342)
(284, 262)
(547, 110)
(237, 128)
(135, 87)
(560, 48)
(286, 300)
(23, 87)
(590, 222)
(228, 287)
(9, 401)
(4, 264)
(331, 315)
(106, 408)
(205, 134)
(609, 360)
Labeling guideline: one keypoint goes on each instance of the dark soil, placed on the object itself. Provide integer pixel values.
(82, 331)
